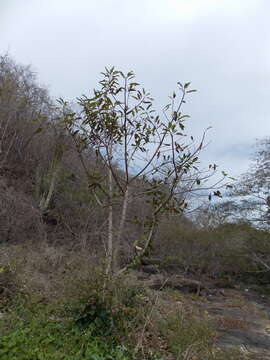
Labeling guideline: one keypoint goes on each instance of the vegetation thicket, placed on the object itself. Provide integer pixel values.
(87, 198)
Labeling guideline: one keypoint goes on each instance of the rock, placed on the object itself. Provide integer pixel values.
(224, 284)
(150, 269)
(142, 276)
(249, 339)
(151, 261)
(178, 283)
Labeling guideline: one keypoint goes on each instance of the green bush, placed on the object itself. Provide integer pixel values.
(112, 313)
(36, 333)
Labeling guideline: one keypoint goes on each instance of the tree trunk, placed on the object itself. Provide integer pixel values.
(118, 243)
(109, 254)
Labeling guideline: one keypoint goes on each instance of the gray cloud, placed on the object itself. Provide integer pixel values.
(222, 47)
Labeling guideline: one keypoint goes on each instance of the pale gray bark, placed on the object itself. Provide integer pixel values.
(118, 242)
(110, 222)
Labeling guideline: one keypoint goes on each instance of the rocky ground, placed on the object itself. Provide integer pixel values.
(243, 321)
(240, 315)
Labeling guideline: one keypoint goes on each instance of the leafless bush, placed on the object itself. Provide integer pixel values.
(48, 271)
(19, 219)
(229, 250)
(23, 104)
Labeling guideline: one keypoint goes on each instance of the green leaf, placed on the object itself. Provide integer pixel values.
(184, 116)
(38, 130)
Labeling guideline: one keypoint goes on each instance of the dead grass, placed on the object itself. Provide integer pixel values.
(45, 270)
(229, 323)
(235, 299)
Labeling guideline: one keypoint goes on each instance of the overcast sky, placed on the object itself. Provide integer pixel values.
(221, 46)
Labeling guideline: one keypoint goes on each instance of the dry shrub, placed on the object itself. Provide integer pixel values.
(23, 103)
(225, 251)
(33, 148)
(47, 271)
(19, 219)
(180, 244)
(8, 286)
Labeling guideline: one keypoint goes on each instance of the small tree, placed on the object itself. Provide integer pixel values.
(120, 126)
(253, 190)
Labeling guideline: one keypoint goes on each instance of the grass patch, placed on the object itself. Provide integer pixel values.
(37, 333)
(93, 325)
(191, 337)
